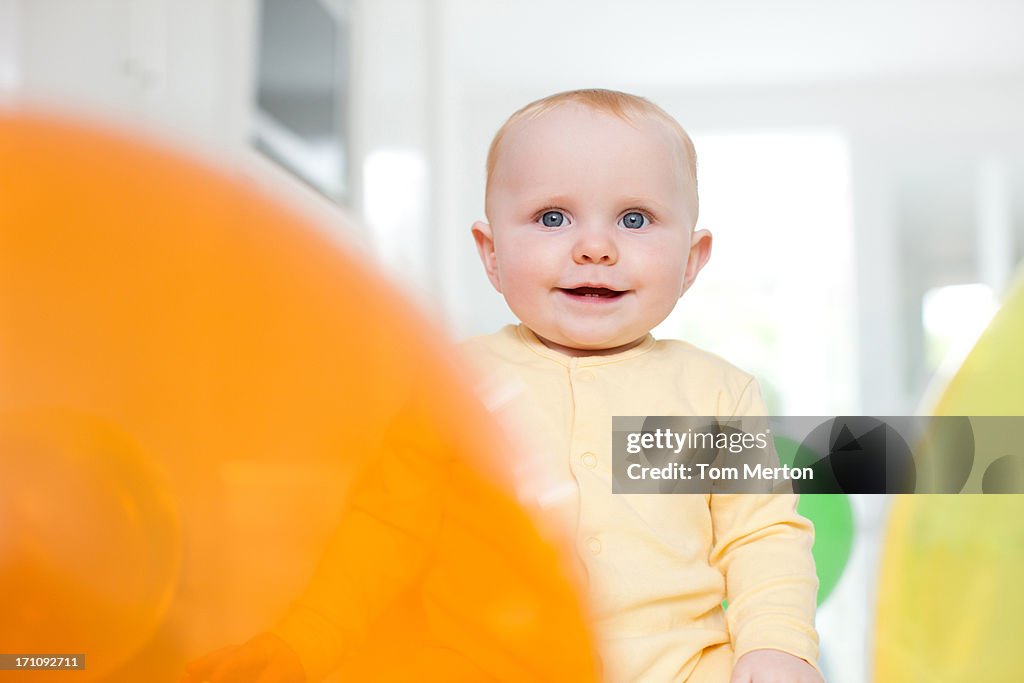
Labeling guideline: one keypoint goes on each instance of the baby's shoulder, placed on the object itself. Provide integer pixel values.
(695, 370)
(497, 345)
(695, 359)
(496, 355)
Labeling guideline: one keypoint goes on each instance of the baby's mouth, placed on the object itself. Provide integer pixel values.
(593, 292)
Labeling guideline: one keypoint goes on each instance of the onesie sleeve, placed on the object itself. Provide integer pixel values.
(762, 546)
(377, 552)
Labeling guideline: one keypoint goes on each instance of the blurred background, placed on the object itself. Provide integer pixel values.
(861, 164)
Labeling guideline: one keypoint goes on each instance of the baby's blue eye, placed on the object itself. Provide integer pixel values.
(552, 219)
(634, 220)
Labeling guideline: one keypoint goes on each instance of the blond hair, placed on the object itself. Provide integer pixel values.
(623, 105)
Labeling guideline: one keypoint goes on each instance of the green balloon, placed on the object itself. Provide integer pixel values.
(832, 517)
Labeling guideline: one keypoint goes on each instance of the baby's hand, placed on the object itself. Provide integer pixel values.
(264, 659)
(773, 666)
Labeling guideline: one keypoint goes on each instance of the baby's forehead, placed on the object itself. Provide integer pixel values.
(552, 128)
(569, 116)
(575, 129)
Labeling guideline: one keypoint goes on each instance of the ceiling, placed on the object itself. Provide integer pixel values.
(684, 42)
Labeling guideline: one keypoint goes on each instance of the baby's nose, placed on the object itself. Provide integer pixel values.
(595, 245)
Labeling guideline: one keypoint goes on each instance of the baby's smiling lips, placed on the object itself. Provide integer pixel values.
(592, 293)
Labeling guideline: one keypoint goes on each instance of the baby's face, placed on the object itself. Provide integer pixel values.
(590, 237)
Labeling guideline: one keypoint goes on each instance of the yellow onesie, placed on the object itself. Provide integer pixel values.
(657, 566)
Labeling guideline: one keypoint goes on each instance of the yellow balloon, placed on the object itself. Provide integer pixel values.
(950, 602)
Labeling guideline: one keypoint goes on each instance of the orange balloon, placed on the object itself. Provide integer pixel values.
(215, 420)
(92, 542)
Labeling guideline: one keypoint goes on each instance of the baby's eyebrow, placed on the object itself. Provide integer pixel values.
(547, 198)
(565, 198)
(635, 201)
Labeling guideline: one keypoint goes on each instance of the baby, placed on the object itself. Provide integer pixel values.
(591, 205)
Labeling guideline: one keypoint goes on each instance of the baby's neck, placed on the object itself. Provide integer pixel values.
(577, 353)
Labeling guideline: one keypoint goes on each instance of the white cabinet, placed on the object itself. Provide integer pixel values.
(179, 64)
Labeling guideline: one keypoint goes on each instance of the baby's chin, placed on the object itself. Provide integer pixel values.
(588, 344)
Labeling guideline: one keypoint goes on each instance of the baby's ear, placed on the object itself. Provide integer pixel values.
(700, 252)
(484, 238)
